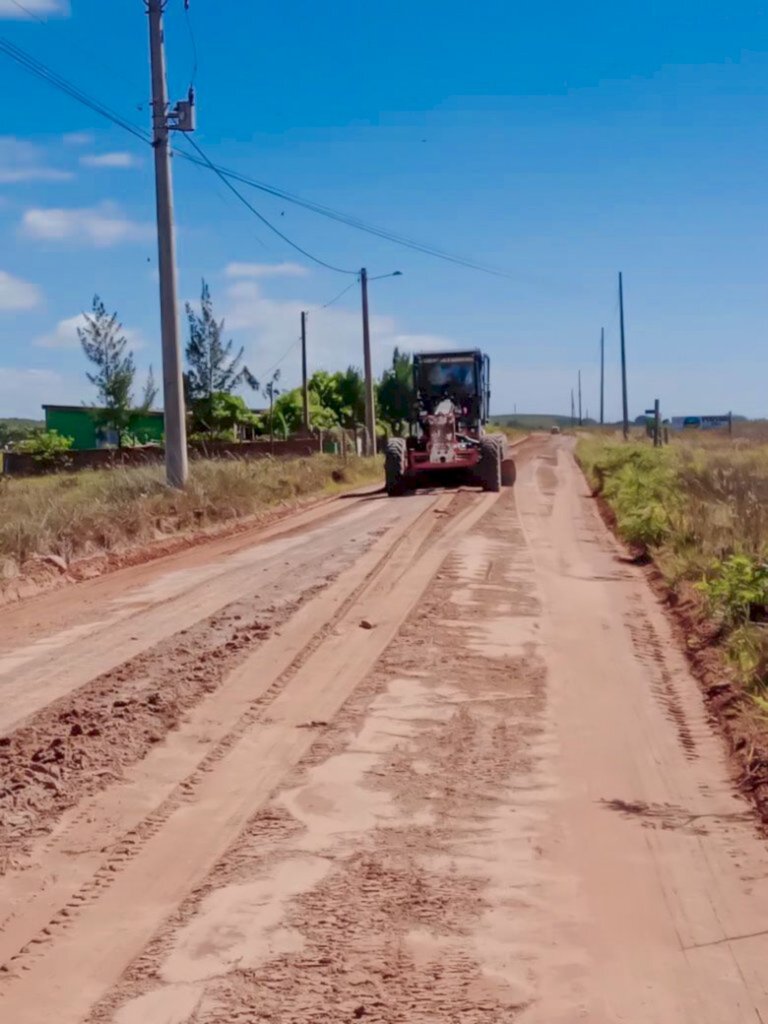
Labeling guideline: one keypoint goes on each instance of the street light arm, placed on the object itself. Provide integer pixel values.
(379, 277)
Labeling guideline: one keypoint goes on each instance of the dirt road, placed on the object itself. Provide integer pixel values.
(434, 759)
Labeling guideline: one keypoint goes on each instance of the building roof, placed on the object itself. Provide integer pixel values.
(93, 408)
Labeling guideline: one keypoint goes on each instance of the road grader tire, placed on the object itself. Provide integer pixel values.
(489, 466)
(395, 463)
(508, 467)
(508, 473)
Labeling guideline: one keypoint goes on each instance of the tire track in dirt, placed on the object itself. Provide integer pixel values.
(379, 920)
(650, 650)
(414, 578)
(80, 743)
(126, 844)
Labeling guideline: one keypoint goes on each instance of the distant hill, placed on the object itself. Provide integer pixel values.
(534, 420)
(14, 429)
(13, 423)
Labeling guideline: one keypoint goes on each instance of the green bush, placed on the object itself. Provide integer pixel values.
(639, 484)
(736, 589)
(47, 447)
(702, 508)
(748, 650)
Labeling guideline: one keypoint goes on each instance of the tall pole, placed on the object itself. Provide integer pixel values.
(602, 376)
(624, 402)
(581, 421)
(176, 467)
(573, 410)
(304, 379)
(657, 424)
(370, 412)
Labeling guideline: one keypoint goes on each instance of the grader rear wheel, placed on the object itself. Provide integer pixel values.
(489, 466)
(395, 462)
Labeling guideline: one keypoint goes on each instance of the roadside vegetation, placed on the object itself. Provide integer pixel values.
(699, 508)
(75, 515)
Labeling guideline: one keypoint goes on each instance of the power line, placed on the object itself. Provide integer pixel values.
(32, 14)
(46, 74)
(226, 197)
(51, 77)
(223, 177)
(354, 222)
(193, 44)
(341, 293)
(282, 358)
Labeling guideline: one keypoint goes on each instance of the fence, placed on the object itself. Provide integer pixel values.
(20, 464)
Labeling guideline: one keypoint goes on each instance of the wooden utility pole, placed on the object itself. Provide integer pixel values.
(657, 424)
(370, 410)
(304, 378)
(624, 400)
(581, 421)
(602, 376)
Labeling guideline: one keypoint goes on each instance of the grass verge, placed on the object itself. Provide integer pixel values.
(698, 512)
(74, 516)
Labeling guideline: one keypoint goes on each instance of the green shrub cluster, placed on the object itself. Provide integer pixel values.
(702, 511)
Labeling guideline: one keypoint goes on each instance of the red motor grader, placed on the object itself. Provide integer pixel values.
(447, 438)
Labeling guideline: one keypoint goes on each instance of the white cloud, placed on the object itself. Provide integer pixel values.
(34, 8)
(16, 294)
(23, 161)
(424, 343)
(111, 160)
(267, 328)
(78, 139)
(265, 270)
(101, 226)
(23, 392)
(64, 335)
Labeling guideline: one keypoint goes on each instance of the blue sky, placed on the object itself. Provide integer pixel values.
(558, 143)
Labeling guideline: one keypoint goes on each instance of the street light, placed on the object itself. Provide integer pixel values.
(370, 412)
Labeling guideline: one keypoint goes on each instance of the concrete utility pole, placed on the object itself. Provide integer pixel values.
(581, 421)
(370, 410)
(624, 401)
(304, 379)
(181, 118)
(602, 376)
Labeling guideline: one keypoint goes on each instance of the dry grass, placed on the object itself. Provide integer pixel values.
(108, 510)
(511, 433)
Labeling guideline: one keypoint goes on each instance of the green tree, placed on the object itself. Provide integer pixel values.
(350, 388)
(329, 396)
(220, 415)
(213, 367)
(106, 347)
(396, 395)
(288, 412)
(150, 393)
(271, 392)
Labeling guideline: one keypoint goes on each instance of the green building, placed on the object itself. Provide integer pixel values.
(82, 424)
